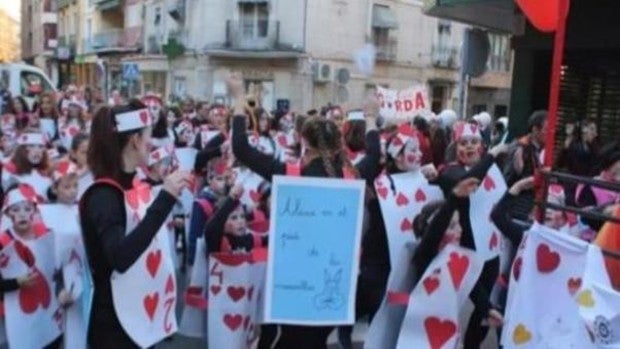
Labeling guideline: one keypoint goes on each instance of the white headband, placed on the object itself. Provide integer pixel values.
(357, 115)
(133, 120)
(31, 139)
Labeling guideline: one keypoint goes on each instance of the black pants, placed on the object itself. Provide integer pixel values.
(293, 337)
(105, 331)
(476, 333)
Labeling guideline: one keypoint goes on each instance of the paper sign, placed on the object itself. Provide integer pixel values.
(546, 276)
(402, 105)
(194, 318)
(186, 158)
(48, 127)
(314, 249)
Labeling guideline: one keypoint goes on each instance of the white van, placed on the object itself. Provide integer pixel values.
(24, 80)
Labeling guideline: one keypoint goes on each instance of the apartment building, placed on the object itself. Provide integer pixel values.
(10, 50)
(39, 35)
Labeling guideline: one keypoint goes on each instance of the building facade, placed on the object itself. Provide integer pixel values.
(39, 35)
(296, 52)
(10, 48)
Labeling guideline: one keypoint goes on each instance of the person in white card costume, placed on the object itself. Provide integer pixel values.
(122, 230)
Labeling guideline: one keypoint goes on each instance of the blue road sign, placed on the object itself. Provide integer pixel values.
(131, 71)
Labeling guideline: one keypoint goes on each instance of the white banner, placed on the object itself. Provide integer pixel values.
(402, 105)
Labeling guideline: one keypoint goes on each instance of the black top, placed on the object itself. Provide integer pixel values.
(214, 231)
(108, 247)
(503, 221)
(267, 166)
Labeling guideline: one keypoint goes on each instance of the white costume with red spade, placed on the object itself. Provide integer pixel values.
(146, 310)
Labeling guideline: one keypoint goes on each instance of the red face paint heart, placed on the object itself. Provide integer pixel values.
(153, 260)
(430, 284)
(215, 289)
(169, 284)
(401, 200)
(412, 159)
(439, 332)
(382, 192)
(150, 303)
(233, 321)
(516, 268)
(73, 131)
(405, 226)
(420, 196)
(546, 260)
(144, 117)
(282, 141)
(489, 183)
(235, 293)
(574, 284)
(494, 241)
(255, 196)
(458, 266)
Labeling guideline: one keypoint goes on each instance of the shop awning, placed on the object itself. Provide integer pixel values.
(383, 17)
(493, 14)
(104, 5)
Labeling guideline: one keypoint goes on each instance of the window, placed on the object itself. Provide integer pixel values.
(438, 97)
(499, 57)
(31, 82)
(479, 108)
(500, 110)
(262, 88)
(380, 36)
(254, 19)
(157, 18)
(444, 27)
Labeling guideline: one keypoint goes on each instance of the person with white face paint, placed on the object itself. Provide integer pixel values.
(29, 164)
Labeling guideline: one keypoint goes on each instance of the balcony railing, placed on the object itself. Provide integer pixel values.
(114, 39)
(255, 36)
(386, 51)
(63, 3)
(444, 56)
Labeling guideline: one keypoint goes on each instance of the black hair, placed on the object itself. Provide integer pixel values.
(537, 119)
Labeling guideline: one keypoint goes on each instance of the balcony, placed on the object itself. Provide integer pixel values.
(115, 40)
(444, 56)
(386, 51)
(64, 3)
(258, 36)
(66, 46)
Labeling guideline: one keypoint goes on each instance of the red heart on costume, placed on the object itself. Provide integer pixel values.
(255, 196)
(574, 284)
(153, 260)
(439, 332)
(405, 226)
(282, 141)
(489, 183)
(382, 191)
(250, 293)
(401, 200)
(150, 303)
(430, 284)
(546, 260)
(420, 196)
(233, 321)
(131, 197)
(235, 293)
(516, 268)
(494, 241)
(215, 289)
(73, 131)
(169, 284)
(458, 266)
